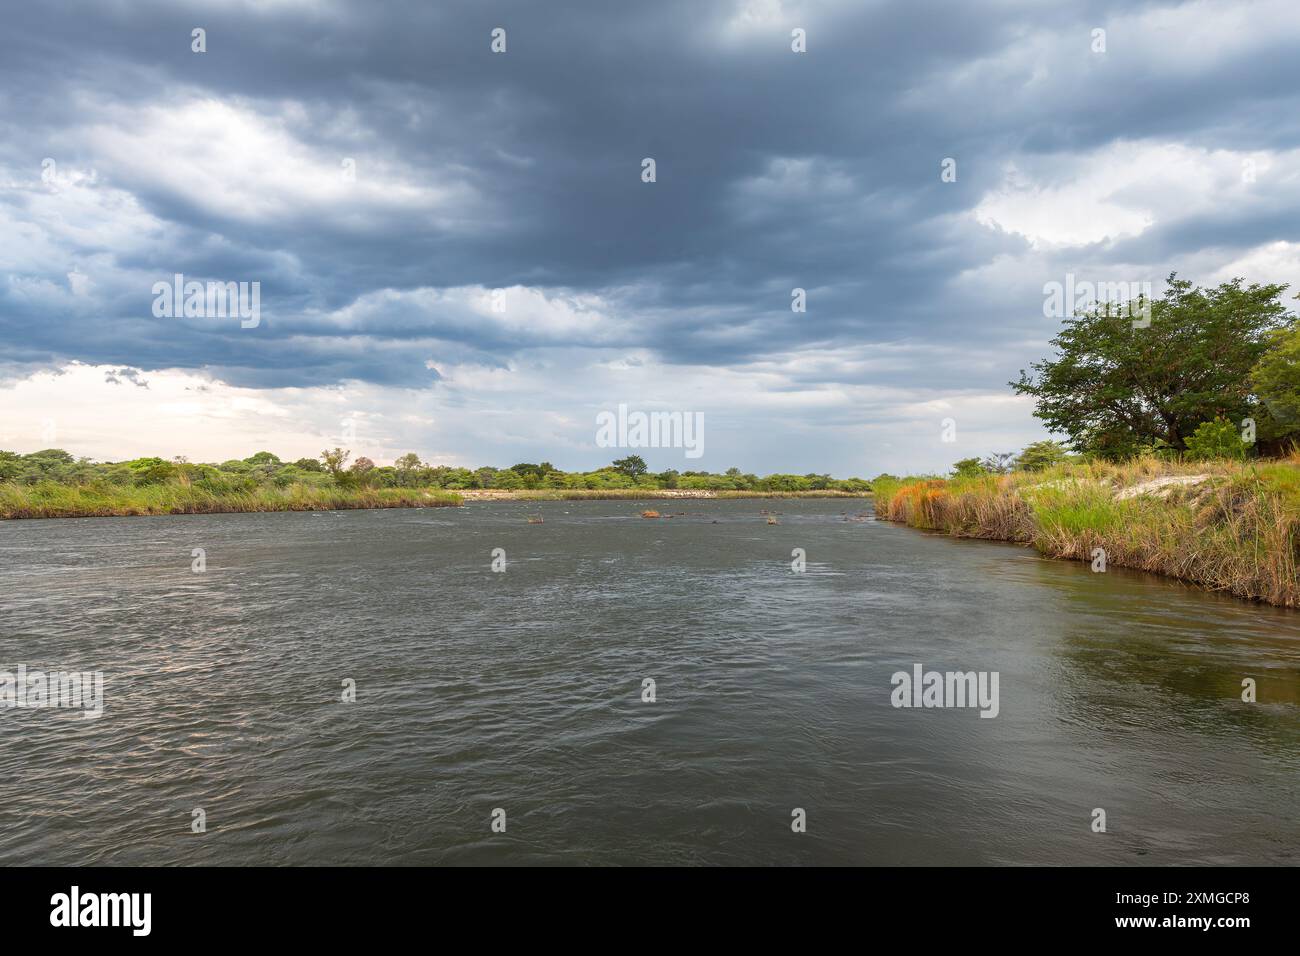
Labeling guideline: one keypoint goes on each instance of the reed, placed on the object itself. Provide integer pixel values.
(1235, 528)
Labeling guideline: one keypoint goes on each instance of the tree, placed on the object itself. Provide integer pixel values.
(262, 458)
(152, 471)
(11, 465)
(406, 467)
(1116, 389)
(54, 454)
(509, 479)
(633, 466)
(1276, 380)
(309, 464)
(529, 473)
(998, 463)
(968, 468)
(1041, 454)
(334, 462)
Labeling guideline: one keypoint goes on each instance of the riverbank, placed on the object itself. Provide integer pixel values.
(54, 500)
(1223, 525)
(641, 494)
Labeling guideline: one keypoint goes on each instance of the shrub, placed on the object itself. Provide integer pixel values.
(1216, 439)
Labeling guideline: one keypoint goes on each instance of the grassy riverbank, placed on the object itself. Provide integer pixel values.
(642, 494)
(1223, 525)
(49, 499)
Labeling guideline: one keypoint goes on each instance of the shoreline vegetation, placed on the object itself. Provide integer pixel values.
(1231, 526)
(52, 500)
(655, 494)
(54, 484)
(1183, 453)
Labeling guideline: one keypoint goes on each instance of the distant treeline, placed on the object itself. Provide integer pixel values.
(336, 468)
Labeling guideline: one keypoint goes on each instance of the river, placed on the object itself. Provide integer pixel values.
(522, 691)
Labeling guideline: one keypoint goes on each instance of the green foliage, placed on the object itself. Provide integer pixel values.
(1117, 390)
(632, 465)
(151, 471)
(266, 472)
(11, 465)
(508, 480)
(51, 456)
(1217, 439)
(335, 461)
(407, 470)
(156, 474)
(1041, 454)
(1276, 380)
(966, 468)
(49, 499)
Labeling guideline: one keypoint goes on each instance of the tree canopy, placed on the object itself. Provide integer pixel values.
(1118, 388)
(1276, 379)
(633, 466)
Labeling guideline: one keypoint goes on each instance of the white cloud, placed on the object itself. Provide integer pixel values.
(1193, 38)
(1272, 262)
(523, 314)
(1127, 187)
(240, 163)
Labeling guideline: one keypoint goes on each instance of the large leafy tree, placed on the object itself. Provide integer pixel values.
(633, 466)
(1276, 379)
(1116, 389)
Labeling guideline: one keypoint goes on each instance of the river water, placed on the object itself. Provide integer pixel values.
(522, 691)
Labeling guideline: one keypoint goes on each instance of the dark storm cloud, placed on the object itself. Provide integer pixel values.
(775, 170)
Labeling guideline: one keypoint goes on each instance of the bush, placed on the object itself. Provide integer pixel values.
(155, 472)
(968, 468)
(1040, 455)
(1217, 439)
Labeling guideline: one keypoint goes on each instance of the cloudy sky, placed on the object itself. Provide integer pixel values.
(457, 254)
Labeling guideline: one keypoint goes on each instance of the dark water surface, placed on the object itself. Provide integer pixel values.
(522, 690)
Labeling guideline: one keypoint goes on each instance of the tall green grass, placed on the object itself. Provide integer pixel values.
(50, 499)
